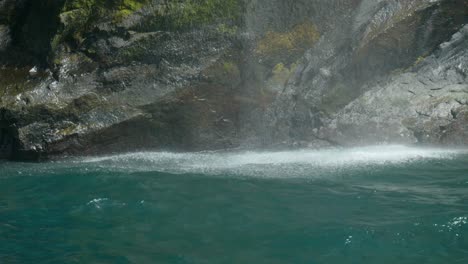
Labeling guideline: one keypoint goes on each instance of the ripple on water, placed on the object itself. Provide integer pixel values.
(383, 204)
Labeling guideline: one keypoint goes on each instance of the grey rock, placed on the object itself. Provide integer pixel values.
(362, 50)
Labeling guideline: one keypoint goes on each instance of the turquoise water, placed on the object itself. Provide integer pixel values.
(390, 204)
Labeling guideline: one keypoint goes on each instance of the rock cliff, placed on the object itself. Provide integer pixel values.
(87, 77)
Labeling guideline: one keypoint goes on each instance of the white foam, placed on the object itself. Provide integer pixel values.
(269, 164)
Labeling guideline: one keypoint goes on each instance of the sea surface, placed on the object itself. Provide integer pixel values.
(381, 204)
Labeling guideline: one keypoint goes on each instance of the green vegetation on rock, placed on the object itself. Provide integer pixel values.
(115, 8)
(227, 30)
(418, 61)
(127, 7)
(185, 14)
(181, 15)
(281, 73)
(225, 72)
(78, 16)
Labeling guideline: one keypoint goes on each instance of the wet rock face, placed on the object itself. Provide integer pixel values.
(97, 78)
(426, 104)
(5, 38)
(364, 49)
(87, 77)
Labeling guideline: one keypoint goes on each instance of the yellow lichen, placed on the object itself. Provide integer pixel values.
(227, 30)
(224, 72)
(419, 60)
(230, 72)
(68, 130)
(298, 40)
(229, 67)
(280, 73)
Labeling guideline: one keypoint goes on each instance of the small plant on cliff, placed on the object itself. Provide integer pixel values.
(419, 60)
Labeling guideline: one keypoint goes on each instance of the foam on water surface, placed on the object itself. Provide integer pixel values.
(269, 164)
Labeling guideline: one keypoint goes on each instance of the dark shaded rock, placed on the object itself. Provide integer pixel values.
(5, 38)
(6, 141)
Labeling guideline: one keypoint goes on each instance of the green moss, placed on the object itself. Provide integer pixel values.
(224, 72)
(128, 7)
(230, 72)
(74, 23)
(184, 14)
(105, 7)
(229, 67)
(78, 16)
(227, 29)
(281, 73)
(133, 5)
